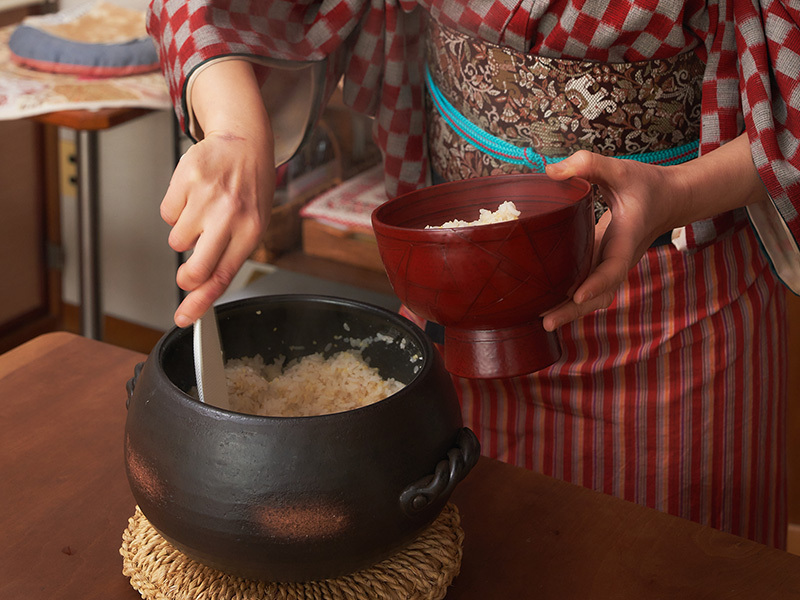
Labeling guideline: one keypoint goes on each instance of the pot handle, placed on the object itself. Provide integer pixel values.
(132, 383)
(448, 472)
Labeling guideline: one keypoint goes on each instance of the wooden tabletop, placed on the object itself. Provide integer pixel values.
(64, 502)
(92, 120)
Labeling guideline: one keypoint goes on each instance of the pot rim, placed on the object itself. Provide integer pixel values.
(422, 340)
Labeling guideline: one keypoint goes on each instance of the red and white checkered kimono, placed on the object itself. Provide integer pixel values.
(674, 396)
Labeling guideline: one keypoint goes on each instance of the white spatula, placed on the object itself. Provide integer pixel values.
(209, 364)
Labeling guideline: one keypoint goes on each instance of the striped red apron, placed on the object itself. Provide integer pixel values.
(674, 397)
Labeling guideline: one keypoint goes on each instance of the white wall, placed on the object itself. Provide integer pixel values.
(137, 266)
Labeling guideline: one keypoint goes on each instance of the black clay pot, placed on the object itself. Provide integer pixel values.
(305, 498)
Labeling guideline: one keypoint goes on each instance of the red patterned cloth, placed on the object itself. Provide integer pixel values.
(751, 76)
(350, 204)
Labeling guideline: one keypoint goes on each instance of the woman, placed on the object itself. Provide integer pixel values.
(671, 391)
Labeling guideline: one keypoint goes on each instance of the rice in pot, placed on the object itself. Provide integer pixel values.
(311, 385)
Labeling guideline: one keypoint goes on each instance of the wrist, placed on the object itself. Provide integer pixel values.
(226, 101)
(722, 180)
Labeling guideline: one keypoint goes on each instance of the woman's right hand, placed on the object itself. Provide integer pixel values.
(220, 195)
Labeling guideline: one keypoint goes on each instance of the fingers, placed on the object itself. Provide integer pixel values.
(204, 259)
(222, 237)
(197, 303)
(596, 292)
(220, 252)
(221, 220)
(600, 229)
(185, 216)
(571, 311)
(605, 279)
(218, 203)
(615, 254)
(172, 206)
(175, 199)
(216, 248)
(219, 277)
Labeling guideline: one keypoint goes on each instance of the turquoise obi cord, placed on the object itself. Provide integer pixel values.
(508, 152)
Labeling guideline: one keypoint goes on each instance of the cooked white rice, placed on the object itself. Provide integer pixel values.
(311, 385)
(507, 211)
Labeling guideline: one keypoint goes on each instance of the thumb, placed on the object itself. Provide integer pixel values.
(580, 164)
(584, 164)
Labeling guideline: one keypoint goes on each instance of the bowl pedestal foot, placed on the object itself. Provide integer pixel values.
(497, 353)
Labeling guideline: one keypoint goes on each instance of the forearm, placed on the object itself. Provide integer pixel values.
(717, 182)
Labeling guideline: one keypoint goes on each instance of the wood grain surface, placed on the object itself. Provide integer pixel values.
(92, 120)
(64, 502)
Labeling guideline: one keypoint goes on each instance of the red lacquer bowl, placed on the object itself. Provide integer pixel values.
(488, 284)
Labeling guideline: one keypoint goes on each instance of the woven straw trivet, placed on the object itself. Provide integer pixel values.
(421, 571)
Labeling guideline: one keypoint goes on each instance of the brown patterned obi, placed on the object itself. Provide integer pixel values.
(555, 106)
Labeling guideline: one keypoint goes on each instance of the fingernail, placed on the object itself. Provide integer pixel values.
(182, 321)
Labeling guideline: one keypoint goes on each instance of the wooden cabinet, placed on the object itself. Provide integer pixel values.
(29, 232)
(30, 285)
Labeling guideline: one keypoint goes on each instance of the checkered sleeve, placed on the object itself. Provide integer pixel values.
(374, 44)
(768, 45)
(189, 34)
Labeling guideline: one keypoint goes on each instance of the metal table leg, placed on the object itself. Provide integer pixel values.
(88, 218)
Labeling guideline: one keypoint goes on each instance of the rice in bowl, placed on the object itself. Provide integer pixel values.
(507, 211)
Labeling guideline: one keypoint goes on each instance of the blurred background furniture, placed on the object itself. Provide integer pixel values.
(87, 124)
(30, 300)
(33, 105)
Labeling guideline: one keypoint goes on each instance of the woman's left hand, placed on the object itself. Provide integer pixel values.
(646, 201)
(642, 205)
